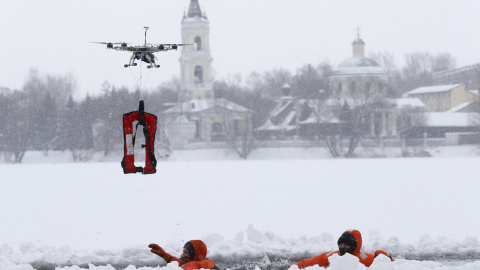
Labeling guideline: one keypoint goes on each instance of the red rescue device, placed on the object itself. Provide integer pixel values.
(149, 123)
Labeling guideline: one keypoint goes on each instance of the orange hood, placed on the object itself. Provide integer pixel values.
(358, 237)
(199, 249)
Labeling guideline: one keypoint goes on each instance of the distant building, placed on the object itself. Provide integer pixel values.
(468, 76)
(359, 75)
(316, 118)
(199, 117)
(282, 121)
(357, 81)
(442, 98)
(439, 124)
(361, 81)
(450, 110)
(207, 120)
(305, 118)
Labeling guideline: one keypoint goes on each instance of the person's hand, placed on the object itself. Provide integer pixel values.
(157, 250)
(378, 252)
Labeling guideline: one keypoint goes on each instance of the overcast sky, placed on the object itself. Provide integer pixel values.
(248, 35)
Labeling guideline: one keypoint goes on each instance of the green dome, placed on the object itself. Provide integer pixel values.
(359, 66)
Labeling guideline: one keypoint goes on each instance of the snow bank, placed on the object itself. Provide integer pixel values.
(251, 247)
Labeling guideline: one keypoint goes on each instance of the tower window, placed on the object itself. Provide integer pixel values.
(198, 74)
(198, 43)
(197, 129)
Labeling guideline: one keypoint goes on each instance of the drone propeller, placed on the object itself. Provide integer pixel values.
(167, 47)
(156, 45)
(110, 44)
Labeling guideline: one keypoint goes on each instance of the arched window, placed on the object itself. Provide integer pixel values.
(198, 74)
(198, 43)
(352, 86)
(367, 86)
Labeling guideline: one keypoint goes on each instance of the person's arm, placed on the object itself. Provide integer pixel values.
(379, 251)
(321, 260)
(156, 249)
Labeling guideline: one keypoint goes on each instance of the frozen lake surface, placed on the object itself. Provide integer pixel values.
(250, 213)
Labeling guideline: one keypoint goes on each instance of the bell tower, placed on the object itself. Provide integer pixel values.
(195, 60)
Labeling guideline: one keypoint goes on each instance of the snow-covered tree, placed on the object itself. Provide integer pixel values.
(47, 123)
(308, 81)
(17, 134)
(109, 110)
(86, 120)
(69, 127)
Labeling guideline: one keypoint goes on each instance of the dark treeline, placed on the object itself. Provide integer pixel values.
(43, 116)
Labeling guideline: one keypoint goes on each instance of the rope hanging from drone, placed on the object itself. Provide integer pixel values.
(140, 78)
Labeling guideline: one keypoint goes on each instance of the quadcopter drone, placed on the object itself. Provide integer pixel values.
(143, 53)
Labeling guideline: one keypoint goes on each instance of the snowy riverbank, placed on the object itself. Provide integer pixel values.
(313, 153)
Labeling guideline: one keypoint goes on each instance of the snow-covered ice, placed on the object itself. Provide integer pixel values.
(91, 215)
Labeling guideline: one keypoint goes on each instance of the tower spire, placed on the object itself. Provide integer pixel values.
(194, 9)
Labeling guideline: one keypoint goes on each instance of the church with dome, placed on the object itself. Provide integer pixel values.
(358, 84)
(358, 76)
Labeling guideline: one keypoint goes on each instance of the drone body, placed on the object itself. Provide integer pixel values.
(142, 52)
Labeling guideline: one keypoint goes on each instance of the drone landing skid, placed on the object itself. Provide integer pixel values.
(148, 58)
(149, 66)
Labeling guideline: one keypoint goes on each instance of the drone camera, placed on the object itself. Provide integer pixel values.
(174, 47)
(124, 44)
(161, 47)
(109, 45)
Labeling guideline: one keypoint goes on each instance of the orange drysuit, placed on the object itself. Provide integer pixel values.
(196, 258)
(365, 258)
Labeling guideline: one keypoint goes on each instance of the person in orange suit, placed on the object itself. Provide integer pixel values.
(349, 242)
(193, 256)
